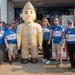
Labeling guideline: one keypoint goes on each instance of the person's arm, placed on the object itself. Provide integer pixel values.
(62, 33)
(6, 43)
(50, 37)
(5, 40)
(62, 38)
(65, 42)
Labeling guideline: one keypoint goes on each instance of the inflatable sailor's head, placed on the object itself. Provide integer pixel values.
(28, 14)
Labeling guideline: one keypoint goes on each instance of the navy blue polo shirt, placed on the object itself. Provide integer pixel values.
(70, 35)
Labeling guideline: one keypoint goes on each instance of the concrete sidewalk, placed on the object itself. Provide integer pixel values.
(35, 69)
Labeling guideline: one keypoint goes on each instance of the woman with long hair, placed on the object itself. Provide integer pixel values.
(47, 35)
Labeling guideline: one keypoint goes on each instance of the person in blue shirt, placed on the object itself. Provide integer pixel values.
(47, 35)
(70, 42)
(14, 25)
(10, 42)
(2, 45)
(58, 36)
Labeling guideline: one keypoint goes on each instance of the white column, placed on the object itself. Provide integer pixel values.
(4, 10)
(0, 9)
(10, 11)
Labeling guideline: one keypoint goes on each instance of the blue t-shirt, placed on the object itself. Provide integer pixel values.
(2, 30)
(46, 32)
(57, 34)
(15, 29)
(10, 35)
(70, 35)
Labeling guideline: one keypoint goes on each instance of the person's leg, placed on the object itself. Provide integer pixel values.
(48, 53)
(73, 56)
(57, 53)
(10, 57)
(44, 49)
(15, 52)
(54, 49)
(10, 53)
(70, 52)
(50, 48)
(4, 53)
(60, 55)
(14, 56)
(60, 51)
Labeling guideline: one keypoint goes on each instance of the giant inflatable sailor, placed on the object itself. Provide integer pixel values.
(29, 35)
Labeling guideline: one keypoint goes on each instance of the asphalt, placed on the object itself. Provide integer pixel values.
(35, 69)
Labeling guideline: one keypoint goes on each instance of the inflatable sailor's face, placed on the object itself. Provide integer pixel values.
(28, 14)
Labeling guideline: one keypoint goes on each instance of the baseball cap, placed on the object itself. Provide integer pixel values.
(9, 25)
(70, 21)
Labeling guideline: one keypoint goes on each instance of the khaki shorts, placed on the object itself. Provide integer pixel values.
(12, 49)
(57, 48)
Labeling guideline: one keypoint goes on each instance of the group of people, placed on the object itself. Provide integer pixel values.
(58, 34)
(8, 41)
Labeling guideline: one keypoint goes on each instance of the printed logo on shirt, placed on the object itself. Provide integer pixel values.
(70, 37)
(57, 33)
(45, 30)
(1, 33)
(11, 36)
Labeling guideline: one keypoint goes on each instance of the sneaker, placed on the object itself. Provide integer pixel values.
(44, 60)
(60, 64)
(74, 69)
(70, 68)
(47, 62)
(10, 62)
(14, 60)
(57, 61)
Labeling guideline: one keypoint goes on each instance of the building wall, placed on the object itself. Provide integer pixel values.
(10, 12)
(6, 11)
(3, 11)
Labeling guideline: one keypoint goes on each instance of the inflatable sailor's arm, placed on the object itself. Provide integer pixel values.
(19, 37)
(40, 36)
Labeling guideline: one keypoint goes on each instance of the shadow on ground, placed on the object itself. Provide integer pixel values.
(41, 68)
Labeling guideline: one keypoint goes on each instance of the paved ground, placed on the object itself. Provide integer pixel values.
(35, 69)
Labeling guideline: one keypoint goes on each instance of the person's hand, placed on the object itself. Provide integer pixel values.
(61, 43)
(48, 42)
(7, 46)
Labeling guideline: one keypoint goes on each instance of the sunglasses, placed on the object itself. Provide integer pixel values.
(9, 25)
(69, 23)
